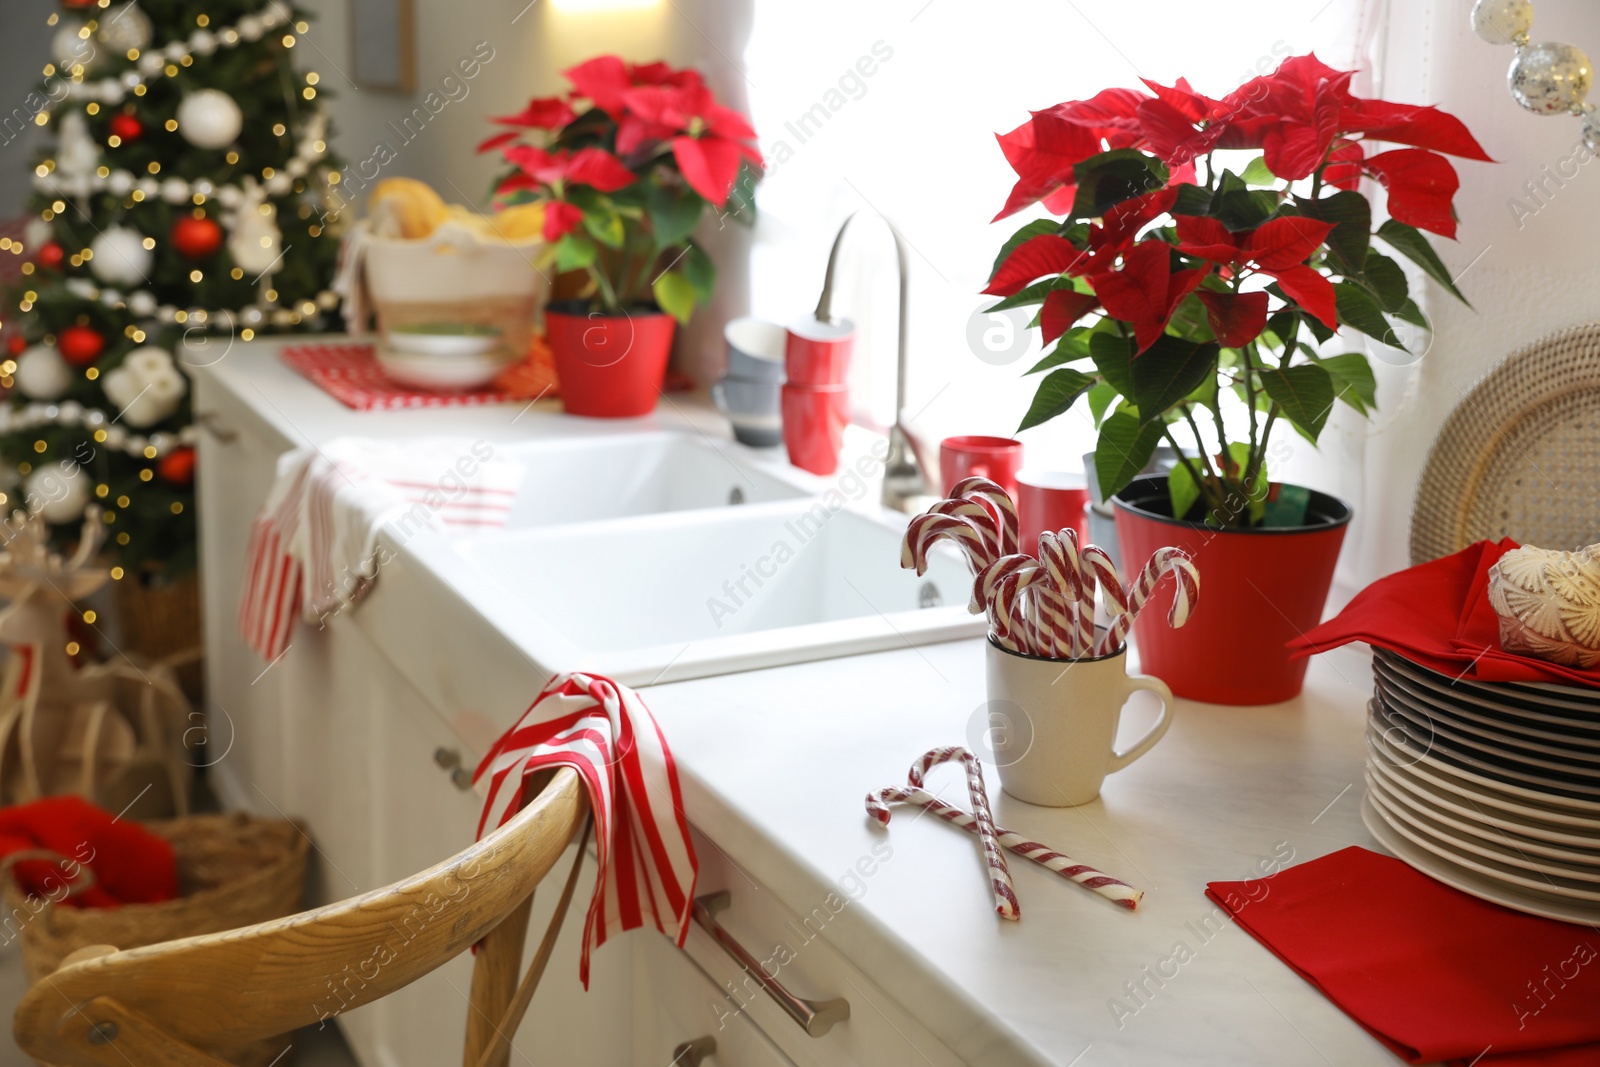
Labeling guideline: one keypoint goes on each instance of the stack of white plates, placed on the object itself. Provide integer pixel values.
(1491, 788)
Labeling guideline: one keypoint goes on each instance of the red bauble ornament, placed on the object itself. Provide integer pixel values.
(16, 344)
(50, 255)
(80, 345)
(126, 127)
(177, 466)
(196, 238)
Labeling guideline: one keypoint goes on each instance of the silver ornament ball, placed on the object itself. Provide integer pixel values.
(1502, 21)
(1551, 78)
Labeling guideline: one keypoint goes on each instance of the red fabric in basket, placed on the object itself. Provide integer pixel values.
(130, 864)
(1438, 614)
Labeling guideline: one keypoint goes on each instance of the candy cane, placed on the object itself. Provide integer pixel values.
(1008, 606)
(1005, 511)
(984, 583)
(1005, 894)
(924, 530)
(1061, 596)
(1105, 573)
(1184, 598)
(1114, 889)
(977, 513)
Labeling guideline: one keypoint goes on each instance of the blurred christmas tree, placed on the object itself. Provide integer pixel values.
(183, 206)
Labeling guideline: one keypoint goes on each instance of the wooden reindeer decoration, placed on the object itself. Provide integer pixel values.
(65, 728)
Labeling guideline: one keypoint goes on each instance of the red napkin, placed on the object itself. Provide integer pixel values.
(1438, 614)
(1431, 972)
(130, 864)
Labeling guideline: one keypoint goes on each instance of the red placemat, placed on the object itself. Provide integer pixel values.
(351, 375)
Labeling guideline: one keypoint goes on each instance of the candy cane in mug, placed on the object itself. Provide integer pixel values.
(1005, 510)
(925, 530)
(1184, 598)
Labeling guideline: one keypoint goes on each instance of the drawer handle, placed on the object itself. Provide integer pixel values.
(694, 1053)
(816, 1017)
(449, 759)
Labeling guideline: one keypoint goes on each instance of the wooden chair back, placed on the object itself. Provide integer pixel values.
(197, 1001)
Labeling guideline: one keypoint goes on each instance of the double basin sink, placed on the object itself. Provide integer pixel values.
(659, 556)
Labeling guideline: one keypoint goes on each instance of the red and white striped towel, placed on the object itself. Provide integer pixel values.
(606, 733)
(314, 549)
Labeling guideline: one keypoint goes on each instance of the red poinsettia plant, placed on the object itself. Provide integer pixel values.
(626, 163)
(1173, 288)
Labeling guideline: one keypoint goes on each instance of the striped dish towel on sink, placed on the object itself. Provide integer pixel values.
(313, 549)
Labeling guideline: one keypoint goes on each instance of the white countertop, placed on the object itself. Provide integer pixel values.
(776, 764)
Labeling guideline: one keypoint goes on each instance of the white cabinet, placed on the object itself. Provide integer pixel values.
(681, 1017)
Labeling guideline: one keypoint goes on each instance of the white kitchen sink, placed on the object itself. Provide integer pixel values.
(691, 593)
(586, 478)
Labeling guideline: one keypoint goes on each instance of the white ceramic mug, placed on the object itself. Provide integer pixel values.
(1053, 723)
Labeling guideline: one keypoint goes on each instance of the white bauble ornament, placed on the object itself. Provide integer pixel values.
(202, 42)
(1550, 78)
(42, 374)
(1502, 21)
(69, 49)
(142, 303)
(209, 118)
(147, 387)
(120, 183)
(250, 28)
(120, 257)
(57, 492)
(174, 190)
(126, 27)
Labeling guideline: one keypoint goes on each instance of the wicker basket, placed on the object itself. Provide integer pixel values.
(233, 870)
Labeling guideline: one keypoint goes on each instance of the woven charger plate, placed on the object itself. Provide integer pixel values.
(1519, 457)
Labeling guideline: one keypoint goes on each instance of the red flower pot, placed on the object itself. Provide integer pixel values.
(1258, 589)
(610, 366)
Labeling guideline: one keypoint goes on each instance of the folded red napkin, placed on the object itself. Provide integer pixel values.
(1431, 972)
(130, 865)
(1438, 614)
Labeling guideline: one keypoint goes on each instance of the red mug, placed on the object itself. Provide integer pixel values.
(817, 352)
(814, 418)
(1050, 500)
(994, 458)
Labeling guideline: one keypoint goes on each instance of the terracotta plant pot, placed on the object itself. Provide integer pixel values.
(610, 366)
(1258, 589)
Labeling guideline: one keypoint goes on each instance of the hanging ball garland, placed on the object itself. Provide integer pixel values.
(177, 466)
(119, 257)
(1548, 79)
(210, 118)
(196, 238)
(127, 128)
(42, 374)
(69, 47)
(80, 345)
(125, 28)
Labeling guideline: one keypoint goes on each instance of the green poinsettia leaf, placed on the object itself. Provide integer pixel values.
(1055, 396)
(1107, 179)
(1410, 242)
(1384, 279)
(1304, 394)
(1124, 449)
(701, 272)
(1353, 380)
(674, 294)
(574, 252)
(1073, 346)
(1100, 397)
(673, 214)
(1111, 354)
(1351, 216)
(1167, 372)
(1256, 173)
(1360, 309)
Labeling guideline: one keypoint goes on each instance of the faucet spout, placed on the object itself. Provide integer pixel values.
(904, 480)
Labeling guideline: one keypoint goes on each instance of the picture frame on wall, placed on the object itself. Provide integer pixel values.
(383, 44)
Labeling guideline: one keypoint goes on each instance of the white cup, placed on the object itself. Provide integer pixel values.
(1053, 723)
